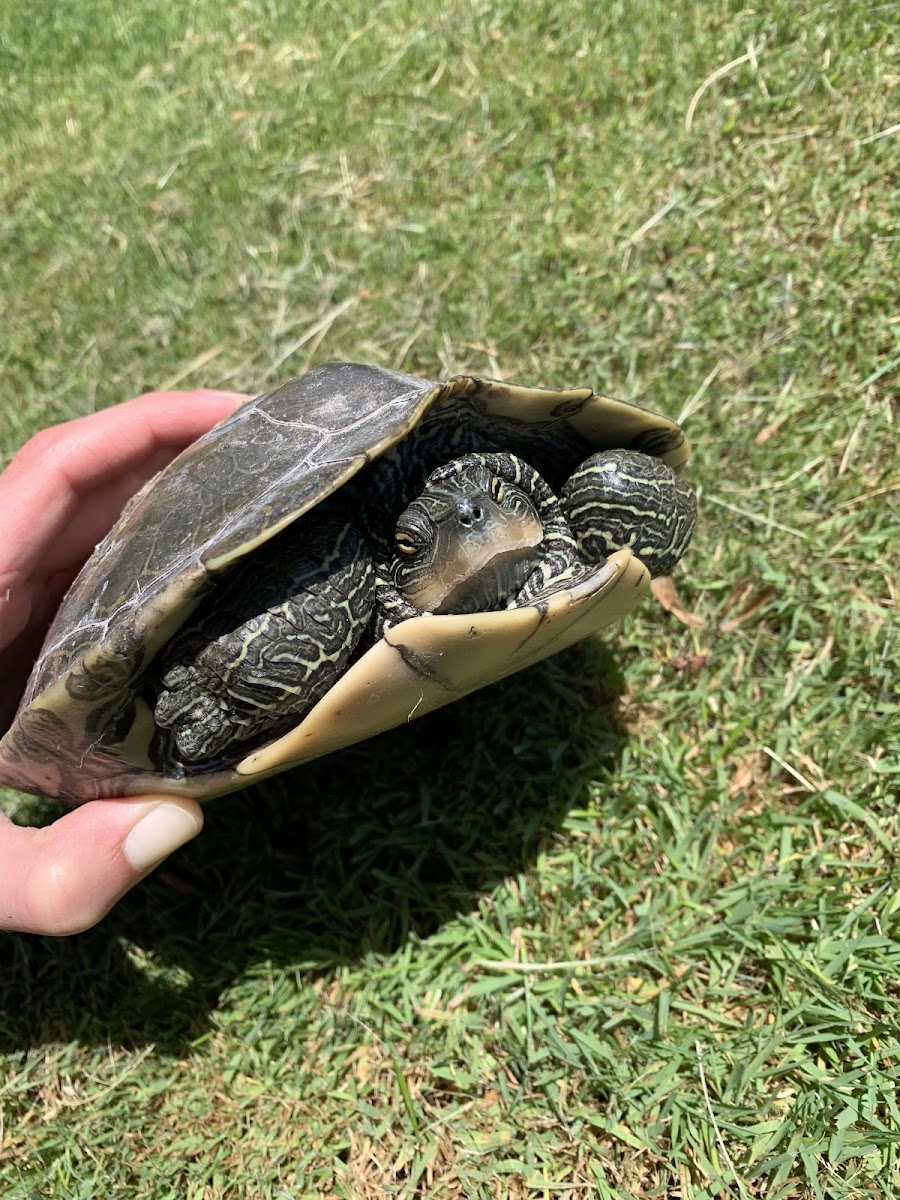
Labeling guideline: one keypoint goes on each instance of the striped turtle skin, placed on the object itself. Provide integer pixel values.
(619, 498)
(257, 604)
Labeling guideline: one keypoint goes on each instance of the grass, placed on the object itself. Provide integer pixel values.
(626, 926)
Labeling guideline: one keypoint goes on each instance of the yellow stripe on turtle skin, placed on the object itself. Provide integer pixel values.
(426, 662)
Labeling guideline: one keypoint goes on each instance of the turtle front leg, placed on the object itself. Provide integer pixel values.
(268, 643)
(622, 498)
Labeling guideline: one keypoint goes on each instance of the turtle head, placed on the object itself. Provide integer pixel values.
(467, 542)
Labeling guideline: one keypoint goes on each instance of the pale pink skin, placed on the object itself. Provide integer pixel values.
(59, 496)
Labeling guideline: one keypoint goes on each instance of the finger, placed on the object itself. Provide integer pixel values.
(63, 878)
(89, 467)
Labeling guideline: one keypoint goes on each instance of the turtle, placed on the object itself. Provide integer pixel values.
(340, 555)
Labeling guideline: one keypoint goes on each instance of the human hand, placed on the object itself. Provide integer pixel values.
(59, 496)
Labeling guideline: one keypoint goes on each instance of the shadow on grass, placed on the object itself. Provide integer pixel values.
(349, 855)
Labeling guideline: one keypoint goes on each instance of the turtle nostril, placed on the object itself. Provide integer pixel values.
(467, 513)
(477, 512)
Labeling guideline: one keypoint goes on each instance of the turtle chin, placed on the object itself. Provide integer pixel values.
(474, 572)
(493, 586)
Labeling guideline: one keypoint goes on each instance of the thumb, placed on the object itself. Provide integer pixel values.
(63, 878)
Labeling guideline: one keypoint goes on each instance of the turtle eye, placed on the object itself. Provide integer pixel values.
(405, 544)
(496, 489)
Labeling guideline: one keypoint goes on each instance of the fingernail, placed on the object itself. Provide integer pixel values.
(163, 830)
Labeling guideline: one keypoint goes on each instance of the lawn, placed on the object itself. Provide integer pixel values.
(626, 925)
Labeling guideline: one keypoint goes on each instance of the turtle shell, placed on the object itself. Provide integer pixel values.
(85, 728)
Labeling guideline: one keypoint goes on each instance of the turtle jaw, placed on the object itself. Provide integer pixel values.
(477, 565)
(469, 552)
(481, 588)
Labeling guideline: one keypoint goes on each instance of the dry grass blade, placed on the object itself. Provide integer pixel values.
(665, 594)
